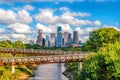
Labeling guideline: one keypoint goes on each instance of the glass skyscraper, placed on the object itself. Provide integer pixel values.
(39, 37)
(59, 37)
(59, 29)
(75, 37)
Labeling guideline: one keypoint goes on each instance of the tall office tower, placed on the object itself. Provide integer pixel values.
(43, 41)
(47, 41)
(69, 37)
(59, 29)
(47, 37)
(59, 37)
(52, 39)
(65, 38)
(39, 37)
(75, 36)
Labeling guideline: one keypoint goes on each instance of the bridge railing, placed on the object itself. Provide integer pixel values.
(42, 59)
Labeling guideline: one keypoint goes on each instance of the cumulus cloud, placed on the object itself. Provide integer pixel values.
(18, 36)
(1, 30)
(4, 37)
(28, 7)
(8, 17)
(97, 23)
(79, 30)
(44, 28)
(19, 28)
(47, 16)
(53, 28)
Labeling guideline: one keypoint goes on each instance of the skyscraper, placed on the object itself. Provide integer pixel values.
(75, 37)
(52, 39)
(39, 37)
(59, 37)
(65, 38)
(47, 37)
(69, 37)
(47, 41)
(59, 29)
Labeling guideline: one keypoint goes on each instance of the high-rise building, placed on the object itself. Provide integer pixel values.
(65, 38)
(59, 40)
(59, 37)
(39, 37)
(59, 29)
(47, 43)
(75, 37)
(47, 37)
(52, 39)
(43, 41)
(69, 37)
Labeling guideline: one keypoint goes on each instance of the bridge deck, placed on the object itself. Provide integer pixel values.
(42, 59)
(38, 52)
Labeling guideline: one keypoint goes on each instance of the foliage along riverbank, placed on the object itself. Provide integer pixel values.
(21, 72)
(105, 63)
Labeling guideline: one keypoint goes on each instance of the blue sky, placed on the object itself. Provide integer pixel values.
(21, 19)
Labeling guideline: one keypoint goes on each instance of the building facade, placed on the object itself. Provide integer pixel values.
(52, 39)
(39, 37)
(59, 39)
(75, 37)
(65, 38)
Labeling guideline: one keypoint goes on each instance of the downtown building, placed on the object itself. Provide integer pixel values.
(59, 39)
(52, 39)
(65, 38)
(39, 37)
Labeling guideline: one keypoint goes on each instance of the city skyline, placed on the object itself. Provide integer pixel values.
(58, 39)
(21, 19)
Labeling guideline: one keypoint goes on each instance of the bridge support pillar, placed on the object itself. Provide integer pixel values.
(79, 66)
(13, 69)
(13, 66)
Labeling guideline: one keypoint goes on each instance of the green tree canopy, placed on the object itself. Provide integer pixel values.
(101, 37)
(5, 44)
(18, 44)
(105, 65)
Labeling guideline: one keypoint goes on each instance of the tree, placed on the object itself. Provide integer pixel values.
(5, 44)
(105, 65)
(100, 38)
(18, 44)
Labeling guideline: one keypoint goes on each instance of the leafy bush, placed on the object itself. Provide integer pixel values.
(104, 65)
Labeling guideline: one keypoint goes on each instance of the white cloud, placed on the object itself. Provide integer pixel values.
(28, 7)
(1, 30)
(8, 17)
(44, 28)
(80, 14)
(18, 36)
(47, 16)
(53, 28)
(97, 23)
(4, 37)
(80, 31)
(19, 28)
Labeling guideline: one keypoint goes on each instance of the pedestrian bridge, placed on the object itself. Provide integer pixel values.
(37, 60)
(34, 52)
(38, 57)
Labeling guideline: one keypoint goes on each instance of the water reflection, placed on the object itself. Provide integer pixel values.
(50, 72)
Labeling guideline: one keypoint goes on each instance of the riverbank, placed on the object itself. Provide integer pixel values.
(21, 73)
(71, 69)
